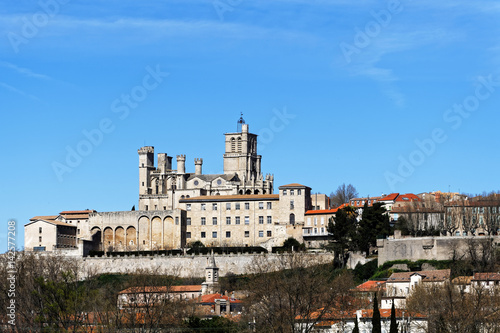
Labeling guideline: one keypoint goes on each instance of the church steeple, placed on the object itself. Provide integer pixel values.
(211, 284)
(240, 123)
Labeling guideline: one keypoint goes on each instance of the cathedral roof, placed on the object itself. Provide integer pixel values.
(209, 178)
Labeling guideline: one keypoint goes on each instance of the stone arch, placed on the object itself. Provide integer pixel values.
(168, 233)
(108, 243)
(131, 238)
(119, 238)
(233, 145)
(96, 238)
(240, 192)
(292, 218)
(156, 229)
(248, 192)
(256, 192)
(144, 228)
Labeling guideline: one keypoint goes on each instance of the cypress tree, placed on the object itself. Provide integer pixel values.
(356, 328)
(394, 325)
(376, 326)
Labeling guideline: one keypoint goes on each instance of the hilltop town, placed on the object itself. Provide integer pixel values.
(401, 249)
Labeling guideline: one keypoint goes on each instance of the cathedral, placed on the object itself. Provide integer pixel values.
(176, 208)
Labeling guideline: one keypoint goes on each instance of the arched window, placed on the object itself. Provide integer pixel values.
(292, 219)
(233, 145)
(239, 144)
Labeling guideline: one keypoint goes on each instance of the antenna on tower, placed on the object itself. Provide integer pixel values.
(240, 122)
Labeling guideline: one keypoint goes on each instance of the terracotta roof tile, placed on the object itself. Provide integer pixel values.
(370, 286)
(390, 197)
(45, 218)
(210, 298)
(486, 277)
(428, 276)
(293, 185)
(321, 211)
(161, 289)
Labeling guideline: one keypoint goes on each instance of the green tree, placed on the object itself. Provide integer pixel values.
(293, 244)
(374, 223)
(342, 229)
(376, 326)
(394, 325)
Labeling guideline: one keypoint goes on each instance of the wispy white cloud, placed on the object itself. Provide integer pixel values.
(24, 71)
(17, 91)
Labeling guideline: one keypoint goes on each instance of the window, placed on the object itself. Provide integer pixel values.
(188, 235)
(177, 220)
(228, 234)
(188, 221)
(322, 221)
(40, 239)
(247, 233)
(269, 220)
(261, 233)
(203, 234)
(247, 219)
(156, 207)
(292, 192)
(299, 192)
(228, 220)
(147, 207)
(261, 219)
(315, 221)
(214, 206)
(269, 205)
(237, 206)
(322, 230)
(315, 230)
(237, 220)
(40, 230)
(228, 206)
(261, 205)
(284, 192)
(247, 205)
(164, 207)
(188, 207)
(269, 233)
(203, 207)
(214, 234)
(78, 231)
(292, 204)
(214, 220)
(203, 221)
(292, 218)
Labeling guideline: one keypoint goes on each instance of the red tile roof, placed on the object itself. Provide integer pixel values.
(293, 185)
(408, 197)
(87, 211)
(486, 277)
(161, 289)
(321, 211)
(370, 286)
(390, 197)
(45, 218)
(210, 298)
(386, 313)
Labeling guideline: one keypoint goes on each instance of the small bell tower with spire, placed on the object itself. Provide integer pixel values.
(211, 284)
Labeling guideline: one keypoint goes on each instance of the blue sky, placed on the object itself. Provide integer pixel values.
(397, 96)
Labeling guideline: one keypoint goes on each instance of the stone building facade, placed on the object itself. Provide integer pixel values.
(235, 208)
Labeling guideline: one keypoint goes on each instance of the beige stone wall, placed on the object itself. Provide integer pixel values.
(256, 222)
(32, 235)
(139, 230)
